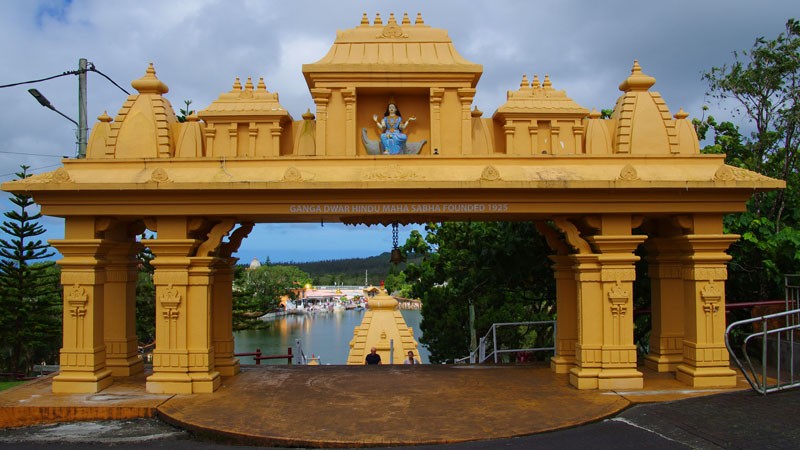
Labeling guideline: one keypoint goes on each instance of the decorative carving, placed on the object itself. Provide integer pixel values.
(628, 173)
(170, 298)
(711, 296)
(159, 175)
(214, 238)
(61, 176)
(292, 174)
(392, 173)
(235, 240)
(553, 239)
(76, 296)
(729, 173)
(490, 173)
(392, 30)
(618, 274)
(574, 238)
(618, 296)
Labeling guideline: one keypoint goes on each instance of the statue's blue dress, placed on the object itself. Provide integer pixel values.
(392, 138)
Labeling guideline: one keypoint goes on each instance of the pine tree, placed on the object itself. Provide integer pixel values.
(30, 300)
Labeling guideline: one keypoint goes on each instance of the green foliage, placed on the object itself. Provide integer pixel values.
(30, 295)
(351, 271)
(259, 291)
(499, 268)
(764, 84)
(185, 112)
(145, 299)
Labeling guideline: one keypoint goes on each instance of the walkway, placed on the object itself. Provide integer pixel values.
(339, 406)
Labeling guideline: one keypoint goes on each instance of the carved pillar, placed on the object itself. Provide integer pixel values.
(605, 354)
(83, 354)
(321, 98)
(252, 138)
(171, 279)
(509, 130)
(211, 134)
(705, 357)
(222, 314)
(567, 310)
(666, 336)
(349, 96)
(122, 356)
(233, 139)
(533, 131)
(205, 378)
(437, 96)
(222, 326)
(183, 361)
(275, 133)
(466, 95)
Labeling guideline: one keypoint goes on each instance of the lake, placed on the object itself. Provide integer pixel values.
(326, 335)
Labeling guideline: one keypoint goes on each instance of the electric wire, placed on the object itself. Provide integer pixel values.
(90, 68)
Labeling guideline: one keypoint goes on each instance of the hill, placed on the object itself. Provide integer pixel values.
(350, 271)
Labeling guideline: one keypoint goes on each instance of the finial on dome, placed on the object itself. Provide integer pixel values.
(378, 20)
(637, 81)
(406, 20)
(237, 85)
(149, 83)
(595, 114)
(535, 84)
(419, 20)
(524, 83)
(308, 115)
(192, 117)
(248, 85)
(392, 20)
(261, 85)
(547, 84)
(364, 19)
(104, 117)
(477, 112)
(681, 114)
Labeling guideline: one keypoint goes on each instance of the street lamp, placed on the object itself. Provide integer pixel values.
(82, 129)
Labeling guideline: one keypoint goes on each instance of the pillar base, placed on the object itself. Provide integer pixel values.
(82, 382)
(701, 377)
(583, 378)
(125, 367)
(183, 383)
(663, 363)
(620, 379)
(562, 364)
(227, 367)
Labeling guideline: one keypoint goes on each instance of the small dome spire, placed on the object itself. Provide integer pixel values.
(637, 81)
(535, 84)
(477, 112)
(149, 84)
(681, 114)
(392, 20)
(364, 19)
(547, 84)
(308, 115)
(406, 20)
(524, 85)
(378, 20)
(595, 114)
(104, 117)
(248, 85)
(237, 85)
(419, 20)
(261, 85)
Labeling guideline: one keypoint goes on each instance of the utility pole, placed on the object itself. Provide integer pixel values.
(82, 127)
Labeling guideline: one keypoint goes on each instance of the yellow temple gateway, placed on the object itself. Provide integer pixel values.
(597, 188)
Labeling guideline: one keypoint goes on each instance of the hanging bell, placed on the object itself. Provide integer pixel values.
(397, 256)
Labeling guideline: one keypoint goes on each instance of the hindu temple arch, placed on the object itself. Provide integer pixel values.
(588, 183)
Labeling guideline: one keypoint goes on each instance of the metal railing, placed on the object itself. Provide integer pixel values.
(775, 351)
(488, 348)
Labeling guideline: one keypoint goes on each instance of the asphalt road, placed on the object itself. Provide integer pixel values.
(734, 420)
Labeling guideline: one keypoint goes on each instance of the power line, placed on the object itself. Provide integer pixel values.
(38, 168)
(32, 154)
(90, 68)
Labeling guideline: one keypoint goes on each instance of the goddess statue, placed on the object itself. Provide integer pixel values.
(392, 127)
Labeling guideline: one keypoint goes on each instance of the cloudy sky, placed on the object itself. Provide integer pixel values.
(198, 47)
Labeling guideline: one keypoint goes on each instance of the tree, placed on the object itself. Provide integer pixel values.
(497, 270)
(259, 291)
(30, 297)
(145, 299)
(764, 84)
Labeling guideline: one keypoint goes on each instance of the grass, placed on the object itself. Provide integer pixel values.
(9, 384)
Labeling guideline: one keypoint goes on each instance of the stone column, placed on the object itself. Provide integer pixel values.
(122, 354)
(83, 354)
(321, 98)
(222, 326)
(705, 357)
(204, 376)
(171, 279)
(567, 318)
(437, 96)
(466, 95)
(351, 130)
(666, 336)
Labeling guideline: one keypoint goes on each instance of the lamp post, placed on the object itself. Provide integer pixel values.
(81, 124)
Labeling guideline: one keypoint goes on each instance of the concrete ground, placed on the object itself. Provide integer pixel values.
(348, 407)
